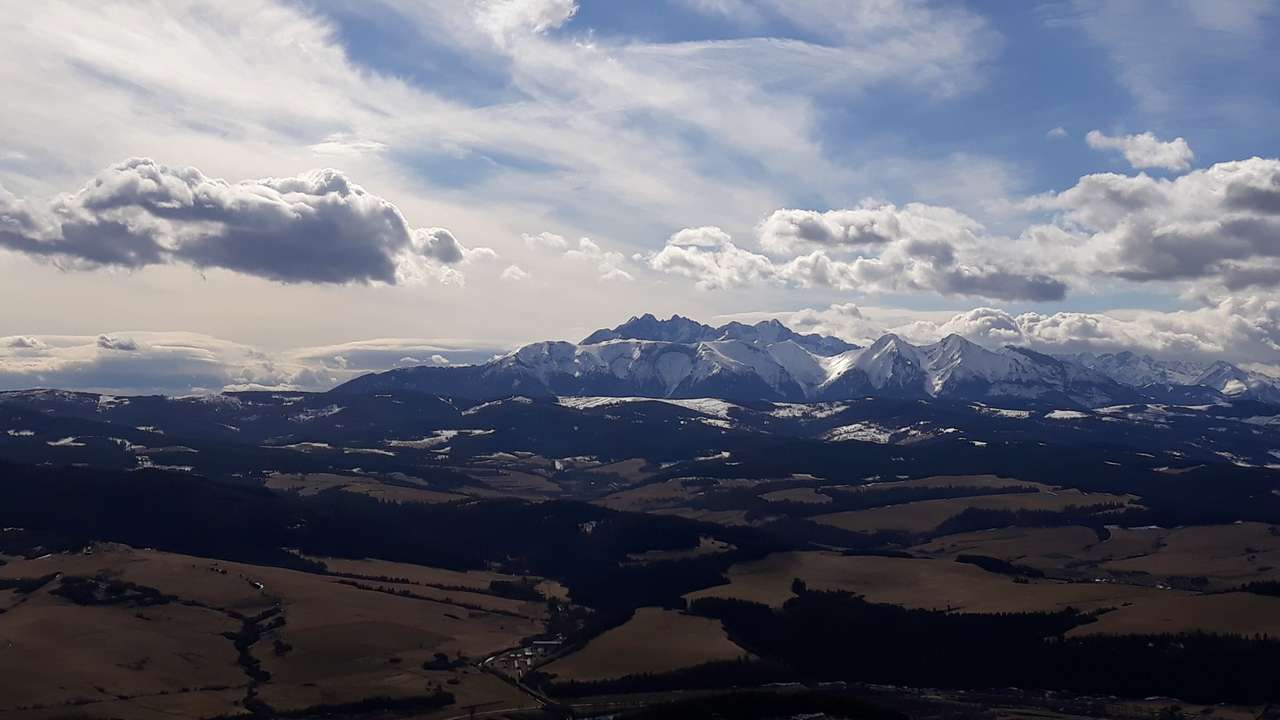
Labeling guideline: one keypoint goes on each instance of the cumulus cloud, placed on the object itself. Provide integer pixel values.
(1056, 133)
(607, 263)
(1145, 150)
(318, 227)
(872, 248)
(513, 273)
(1217, 225)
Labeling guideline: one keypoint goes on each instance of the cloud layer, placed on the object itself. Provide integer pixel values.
(869, 249)
(317, 227)
(179, 363)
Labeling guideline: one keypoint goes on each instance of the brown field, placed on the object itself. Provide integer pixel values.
(519, 483)
(1227, 556)
(926, 515)
(316, 483)
(344, 643)
(650, 497)
(944, 584)
(652, 641)
(1169, 612)
(631, 471)
(799, 494)
(1061, 548)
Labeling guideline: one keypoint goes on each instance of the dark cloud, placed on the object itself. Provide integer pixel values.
(317, 227)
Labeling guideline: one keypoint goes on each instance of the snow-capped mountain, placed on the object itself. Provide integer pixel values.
(1182, 381)
(681, 358)
(679, 329)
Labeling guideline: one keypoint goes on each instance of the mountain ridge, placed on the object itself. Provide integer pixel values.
(682, 358)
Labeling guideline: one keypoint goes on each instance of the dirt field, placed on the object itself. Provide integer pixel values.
(800, 494)
(926, 515)
(315, 483)
(337, 643)
(650, 497)
(653, 641)
(945, 584)
(1225, 556)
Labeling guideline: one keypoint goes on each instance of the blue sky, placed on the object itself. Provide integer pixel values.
(1071, 175)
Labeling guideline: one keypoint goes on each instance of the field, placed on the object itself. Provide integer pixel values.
(1213, 557)
(328, 642)
(652, 641)
(315, 483)
(948, 585)
(797, 494)
(926, 515)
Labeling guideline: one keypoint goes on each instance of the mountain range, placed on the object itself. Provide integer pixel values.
(767, 361)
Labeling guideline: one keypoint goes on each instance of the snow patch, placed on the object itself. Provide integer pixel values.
(1065, 415)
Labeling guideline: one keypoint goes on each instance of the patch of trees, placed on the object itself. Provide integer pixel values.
(749, 499)
(761, 705)
(708, 676)
(369, 707)
(109, 591)
(996, 565)
(522, 589)
(973, 519)
(837, 636)
(1262, 587)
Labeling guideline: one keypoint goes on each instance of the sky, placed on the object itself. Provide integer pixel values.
(197, 197)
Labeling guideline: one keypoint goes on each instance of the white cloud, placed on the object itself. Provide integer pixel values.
(871, 248)
(546, 241)
(1056, 133)
(1240, 329)
(503, 19)
(513, 273)
(1145, 150)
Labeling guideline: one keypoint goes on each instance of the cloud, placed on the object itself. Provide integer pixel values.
(23, 342)
(607, 263)
(1239, 329)
(1217, 225)
(1145, 150)
(503, 19)
(876, 247)
(546, 241)
(179, 363)
(318, 227)
(1056, 133)
(120, 344)
(513, 273)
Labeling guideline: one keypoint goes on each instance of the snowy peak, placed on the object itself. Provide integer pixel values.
(647, 327)
(679, 329)
(1136, 370)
